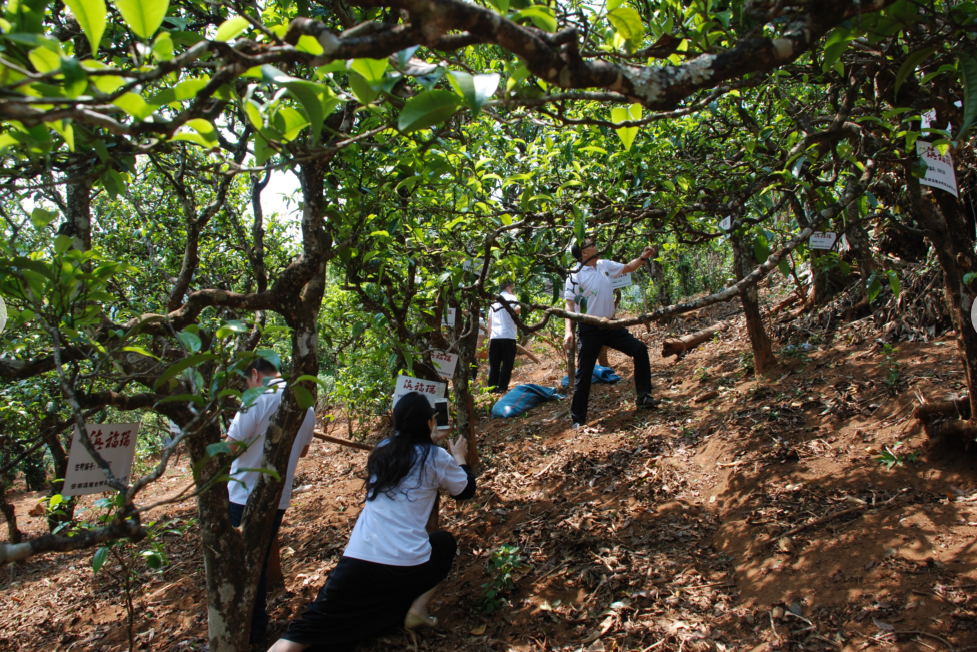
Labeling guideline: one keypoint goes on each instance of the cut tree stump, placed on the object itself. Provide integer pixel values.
(679, 347)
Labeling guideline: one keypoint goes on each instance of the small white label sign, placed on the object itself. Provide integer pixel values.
(450, 319)
(115, 442)
(927, 118)
(622, 281)
(822, 240)
(445, 363)
(430, 390)
(939, 169)
(726, 223)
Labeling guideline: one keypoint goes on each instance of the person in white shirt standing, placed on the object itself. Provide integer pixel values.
(502, 341)
(589, 290)
(247, 431)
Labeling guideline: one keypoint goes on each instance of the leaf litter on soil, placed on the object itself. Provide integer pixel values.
(760, 519)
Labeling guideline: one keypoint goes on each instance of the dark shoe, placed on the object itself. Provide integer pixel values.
(646, 401)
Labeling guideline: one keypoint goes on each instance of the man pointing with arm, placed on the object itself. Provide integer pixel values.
(589, 291)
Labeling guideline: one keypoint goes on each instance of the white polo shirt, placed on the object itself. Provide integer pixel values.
(391, 527)
(503, 328)
(594, 283)
(250, 426)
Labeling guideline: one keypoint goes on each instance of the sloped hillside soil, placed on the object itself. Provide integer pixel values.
(759, 519)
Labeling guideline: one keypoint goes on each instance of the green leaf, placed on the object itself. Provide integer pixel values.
(784, 267)
(542, 17)
(303, 397)
(62, 243)
(90, 14)
(205, 133)
(231, 28)
(621, 114)
(579, 228)
(289, 122)
(894, 282)
(153, 559)
(371, 70)
(134, 105)
(179, 366)
(629, 25)
(364, 91)
(910, 64)
(317, 101)
(358, 328)
(140, 351)
(968, 74)
(968, 278)
(271, 356)
(835, 44)
(476, 89)
(501, 6)
(874, 286)
(427, 109)
(41, 218)
(220, 448)
(143, 16)
(761, 248)
(55, 500)
(99, 558)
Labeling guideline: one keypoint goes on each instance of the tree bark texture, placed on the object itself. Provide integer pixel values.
(763, 357)
(940, 213)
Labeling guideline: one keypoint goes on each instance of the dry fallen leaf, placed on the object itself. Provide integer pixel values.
(478, 631)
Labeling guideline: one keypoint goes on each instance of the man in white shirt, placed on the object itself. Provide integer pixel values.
(247, 431)
(589, 291)
(502, 341)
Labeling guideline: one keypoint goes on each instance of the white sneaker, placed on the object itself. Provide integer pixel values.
(575, 426)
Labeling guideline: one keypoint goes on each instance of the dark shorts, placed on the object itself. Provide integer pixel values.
(362, 599)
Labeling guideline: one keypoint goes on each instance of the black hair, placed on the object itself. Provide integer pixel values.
(262, 366)
(577, 249)
(391, 461)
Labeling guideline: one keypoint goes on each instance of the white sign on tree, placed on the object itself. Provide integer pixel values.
(622, 281)
(449, 320)
(822, 240)
(430, 390)
(115, 442)
(939, 168)
(445, 363)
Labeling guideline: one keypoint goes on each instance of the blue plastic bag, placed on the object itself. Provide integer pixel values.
(520, 398)
(601, 375)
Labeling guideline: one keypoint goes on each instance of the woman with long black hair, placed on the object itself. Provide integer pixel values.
(391, 567)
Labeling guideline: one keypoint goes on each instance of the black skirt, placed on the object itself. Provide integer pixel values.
(362, 599)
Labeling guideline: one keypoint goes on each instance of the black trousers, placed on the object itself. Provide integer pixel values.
(502, 357)
(361, 599)
(259, 616)
(591, 340)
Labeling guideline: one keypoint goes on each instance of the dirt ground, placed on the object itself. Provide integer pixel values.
(760, 519)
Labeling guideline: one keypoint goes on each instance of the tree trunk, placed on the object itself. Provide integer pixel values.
(60, 457)
(657, 273)
(763, 357)
(858, 240)
(940, 212)
(464, 401)
(10, 515)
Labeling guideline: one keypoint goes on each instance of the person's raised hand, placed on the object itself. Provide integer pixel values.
(649, 252)
(459, 449)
